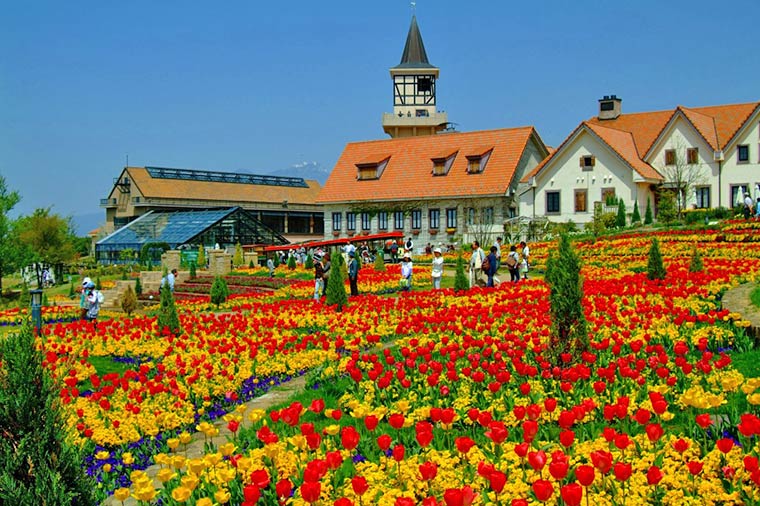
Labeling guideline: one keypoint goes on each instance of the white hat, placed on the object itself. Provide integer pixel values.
(406, 255)
(436, 250)
(85, 281)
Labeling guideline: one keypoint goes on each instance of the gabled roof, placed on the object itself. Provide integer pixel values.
(204, 186)
(632, 136)
(409, 172)
(414, 55)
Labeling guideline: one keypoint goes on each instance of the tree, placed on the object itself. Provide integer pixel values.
(238, 259)
(8, 201)
(129, 301)
(309, 265)
(47, 240)
(655, 267)
(696, 264)
(667, 210)
(219, 291)
(568, 336)
(379, 261)
(648, 213)
(37, 463)
(461, 283)
(167, 312)
(620, 220)
(336, 283)
(193, 272)
(636, 216)
(138, 287)
(292, 262)
(201, 256)
(127, 255)
(681, 173)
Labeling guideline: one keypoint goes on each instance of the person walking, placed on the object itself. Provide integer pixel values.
(326, 266)
(270, 266)
(93, 303)
(513, 263)
(406, 272)
(492, 264)
(747, 206)
(525, 252)
(83, 299)
(353, 273)
(437, 272)
(319, 280)
(476, 263)
(394, 252)
(170, 279)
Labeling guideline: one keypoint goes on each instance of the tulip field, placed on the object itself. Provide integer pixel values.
(436, 397)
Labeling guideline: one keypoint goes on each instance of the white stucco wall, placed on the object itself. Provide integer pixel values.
(745, 174)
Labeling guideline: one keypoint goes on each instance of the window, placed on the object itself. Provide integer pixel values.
(351, 221)
(702, 193)
(336, 221)
(382, 220)
(416, 219)
(477, 163)
(435, 219)
(398, 220)
(421, 113)
(670, 157)
(451, 218)
(552, 202)
(692, 155)
(486, 217)
(737, 194)
(742, 153)
(424, 84)
(470, 216)
(442, 163)
(365, 221)
(608, 197)
(371, 169)
(581, 201)
(587, 162)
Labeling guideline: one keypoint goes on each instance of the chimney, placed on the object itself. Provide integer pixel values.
(610, 107)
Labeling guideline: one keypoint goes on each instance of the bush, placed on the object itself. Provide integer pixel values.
(655, 267)
(309, 264)
(696, 264)
(460, 278)
(37, 464)
(620, 218)
(292, 262)
(193, 272)
(568, 333)
(138, 287)
(219, 291)
(129, 301)
(648, 213)
(635, 217)
(238, 259)
(167, 312)
(201, 256)
(667, 213)
(379, 261)
(336, 283)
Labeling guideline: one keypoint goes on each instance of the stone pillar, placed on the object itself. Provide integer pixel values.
(171, 259)
(219, 262)
(250, 256)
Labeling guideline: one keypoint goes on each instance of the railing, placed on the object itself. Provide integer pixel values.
(107, 202)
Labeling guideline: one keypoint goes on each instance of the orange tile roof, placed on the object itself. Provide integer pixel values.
(704, 124)
(183, 189)
(409, 173)
(623, 144)
(645, 127)
(728, 119)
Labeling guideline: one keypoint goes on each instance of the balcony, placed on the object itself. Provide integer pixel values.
(107, 202)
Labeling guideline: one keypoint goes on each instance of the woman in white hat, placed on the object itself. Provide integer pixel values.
(406, 272)
(437, 272)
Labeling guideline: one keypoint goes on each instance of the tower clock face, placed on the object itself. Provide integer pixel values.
(414, 90)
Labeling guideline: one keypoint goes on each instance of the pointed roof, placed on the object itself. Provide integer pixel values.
(414, 55)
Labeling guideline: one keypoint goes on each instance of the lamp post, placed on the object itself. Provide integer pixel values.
(36, 296)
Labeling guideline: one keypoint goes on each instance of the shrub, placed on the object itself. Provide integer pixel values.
(138, 287)
(71, 289)
(635, 217)
(129, 301)
(98, 285)
(238, 259)
(696, 264)
(201, 256)
(460, 278)
(167, 312)
(193, 272)
(655, 267)
(292, 262)
(568, 334)
(667, 212)
(219, 291)
(336, 283)
(620, 218)
(379, 261)
(37, 464)
(309, 264)
(648, 213)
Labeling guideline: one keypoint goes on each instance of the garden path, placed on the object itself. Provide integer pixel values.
(737, 300)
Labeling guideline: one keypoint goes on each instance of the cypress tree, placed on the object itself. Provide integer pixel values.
(167, 312)
(461, 283)
(219, 291)
(568, 334)
(292, 262)
(193, 272)
(696, 264)
(309, 265)
(336, 283)
(138, 287)
(655, 267)
(129, 301)
(635, 217)
(667, 212)
(379, 261)
(620, 219)
(201, 256)
(648, 213)
(37, 463)
(238, 258)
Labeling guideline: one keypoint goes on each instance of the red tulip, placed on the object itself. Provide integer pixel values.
(654, 431)
(566, 438)
(695, 467)
(680, 445)
(519, 502)
(396, 420)
(543, 490)
(359, 485)
(622, 471)
(370, 422)
(724, 444)
(497, 480)
(704, 420)
(572, 494)
(333, 459)
(585, 475)
(463, 444)
(349, 437)
(398, 452)
(459, 497)
(310, 491)
(654, 475)
(537, 460)
(404, 501)
(558, 469)
(497, 432)
(260, 478)
(283, 489)
(251, 494)
(428, 470)
(751, 463)
(530, 429)
(602, 461)
(522, 449)
(343, 501)
(384, 442)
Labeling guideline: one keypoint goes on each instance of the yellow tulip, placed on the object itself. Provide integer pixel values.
(204, 501)
(165, 475)
(222, 496)
(127, 458)
(181, 494)
(102, 455)
(172, 443)
(185, 438)
(121, 494)
(227, 449)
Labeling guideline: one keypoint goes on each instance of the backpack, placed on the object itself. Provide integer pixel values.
(99, 296)
(486, 265)
(511, 261)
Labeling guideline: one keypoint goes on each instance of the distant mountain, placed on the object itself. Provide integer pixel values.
(306, 170)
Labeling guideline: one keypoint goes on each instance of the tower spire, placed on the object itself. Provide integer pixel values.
(414, 54)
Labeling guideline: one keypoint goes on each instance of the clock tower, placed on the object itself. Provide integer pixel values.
(414, 102)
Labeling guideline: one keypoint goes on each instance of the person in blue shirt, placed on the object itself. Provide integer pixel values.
(170, 279)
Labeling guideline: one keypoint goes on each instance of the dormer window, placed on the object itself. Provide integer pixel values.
(587, 162)
(476, 162)
(442, 163)
(371, 169)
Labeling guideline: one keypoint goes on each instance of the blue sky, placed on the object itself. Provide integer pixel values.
(259, 86)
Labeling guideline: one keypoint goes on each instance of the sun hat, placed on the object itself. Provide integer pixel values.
(406, 255)
(85, 281)
(436, 250)
(318, 257)
(90, 284)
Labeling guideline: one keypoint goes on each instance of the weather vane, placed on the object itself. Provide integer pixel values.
(414, 7)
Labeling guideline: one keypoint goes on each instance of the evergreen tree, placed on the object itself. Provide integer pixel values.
(620, 220)
(309, 265)
(129, 301)
(238, 259)
(379, 261)
(667, 212)
(219, 291)
(696, 264)
(292, 262)
(167, 312)
(336, 283)
(636, 217)
(461, 283)
(193, 272)
(568, 335)
(648, 213)
(251, 265)
(37, 463)
(138, 287)
(201, 256)
(655, 267)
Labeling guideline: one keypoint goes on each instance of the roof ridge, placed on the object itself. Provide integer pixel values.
(442, 135)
